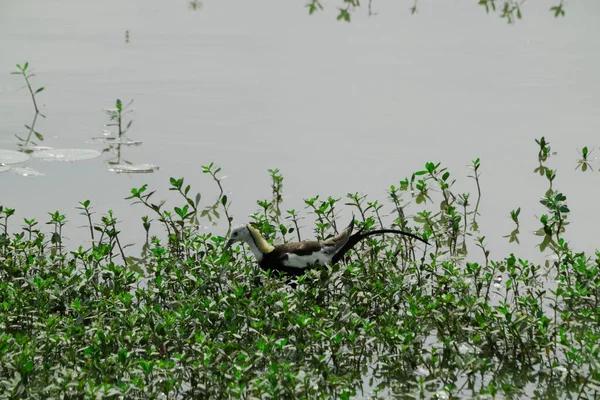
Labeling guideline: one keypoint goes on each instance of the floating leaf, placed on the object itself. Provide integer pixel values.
(10, 157)
(133, 168)
(26, 171)
(66, 155)
(116, 140)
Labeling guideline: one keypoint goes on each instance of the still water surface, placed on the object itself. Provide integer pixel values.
(337, 107)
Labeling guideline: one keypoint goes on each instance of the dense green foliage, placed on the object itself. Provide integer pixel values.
(190, 320)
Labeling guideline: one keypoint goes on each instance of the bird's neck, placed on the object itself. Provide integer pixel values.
(258, 244)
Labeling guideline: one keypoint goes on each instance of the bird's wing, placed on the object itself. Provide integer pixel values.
(302, 254)
(332, 245)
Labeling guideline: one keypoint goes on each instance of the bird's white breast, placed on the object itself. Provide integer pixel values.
(296, 261)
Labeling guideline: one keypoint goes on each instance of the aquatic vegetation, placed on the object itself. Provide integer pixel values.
(65, 155)
(133, 169)
(190, 319)
(509, 10)
(116, 140)
(195, 5)
(28, 148)
(24, 71)
(10, 157)
(585, 163)
(115, 116)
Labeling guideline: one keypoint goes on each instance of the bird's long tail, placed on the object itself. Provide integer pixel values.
(358, 236)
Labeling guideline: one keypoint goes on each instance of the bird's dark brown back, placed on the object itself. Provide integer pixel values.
(299, 248)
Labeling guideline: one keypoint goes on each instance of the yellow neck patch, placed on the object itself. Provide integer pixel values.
(260, 242)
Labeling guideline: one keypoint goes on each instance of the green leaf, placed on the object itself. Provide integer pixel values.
(558, 10)
(39, 90)
(55, 238)
(122, 356)
(28, 366)
(343, 15)
(484, 3)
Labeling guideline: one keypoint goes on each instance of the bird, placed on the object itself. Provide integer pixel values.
(295, 258)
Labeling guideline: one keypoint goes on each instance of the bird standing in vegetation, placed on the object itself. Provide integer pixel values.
(295, 258)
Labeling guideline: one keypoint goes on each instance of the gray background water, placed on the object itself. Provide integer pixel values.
(337, 107)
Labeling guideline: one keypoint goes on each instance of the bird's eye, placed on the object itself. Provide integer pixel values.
(234, 234)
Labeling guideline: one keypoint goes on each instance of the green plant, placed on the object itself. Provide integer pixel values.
(514, 235)
(395, 319)
(115, 116)
(584, 162)
(509, 10)
(24, 71)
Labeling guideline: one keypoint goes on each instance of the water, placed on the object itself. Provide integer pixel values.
(337, 107)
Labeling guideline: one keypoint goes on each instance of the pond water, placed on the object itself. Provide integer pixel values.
(337, 107)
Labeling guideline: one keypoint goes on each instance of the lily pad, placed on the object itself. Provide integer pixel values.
(26, 171)
(133, 169)
(36, 148)
(66, 155)
(116, 140)
(11, 157)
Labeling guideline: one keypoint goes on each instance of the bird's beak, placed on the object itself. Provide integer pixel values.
(228, 244)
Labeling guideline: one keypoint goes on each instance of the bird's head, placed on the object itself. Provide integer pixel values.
(239, 234)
